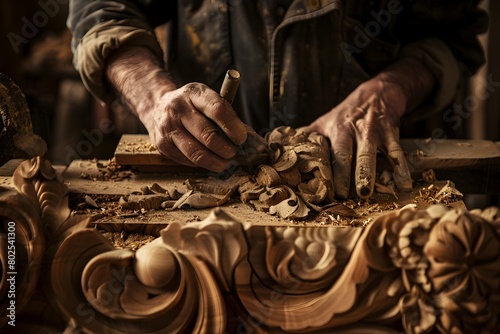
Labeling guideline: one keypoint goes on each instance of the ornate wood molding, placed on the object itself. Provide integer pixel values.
(417, 271)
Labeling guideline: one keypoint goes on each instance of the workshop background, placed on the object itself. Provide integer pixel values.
(35, 53)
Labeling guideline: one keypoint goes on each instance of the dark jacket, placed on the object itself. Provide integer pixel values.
(295, 64)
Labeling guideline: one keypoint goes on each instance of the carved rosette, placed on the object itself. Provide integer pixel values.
(424, 271)
(462, 260)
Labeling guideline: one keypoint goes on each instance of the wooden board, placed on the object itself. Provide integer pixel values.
(473, 165)
(243, 212)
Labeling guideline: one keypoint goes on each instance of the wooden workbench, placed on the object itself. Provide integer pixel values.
(236, 269)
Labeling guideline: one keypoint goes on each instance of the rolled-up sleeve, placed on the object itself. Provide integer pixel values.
(444, 36)
(100, 27)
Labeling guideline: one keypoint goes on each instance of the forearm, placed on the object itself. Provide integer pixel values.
(137, 78)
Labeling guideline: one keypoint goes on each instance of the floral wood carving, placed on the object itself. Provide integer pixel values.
(421, 271)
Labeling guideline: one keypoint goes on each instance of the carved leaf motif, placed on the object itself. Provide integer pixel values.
(294, 304)
(218, 240)
(43, 186)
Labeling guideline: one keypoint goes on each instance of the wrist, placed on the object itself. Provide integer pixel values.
(412, 78)
(136, 76)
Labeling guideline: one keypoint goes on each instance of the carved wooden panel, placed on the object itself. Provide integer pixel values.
(417, 271)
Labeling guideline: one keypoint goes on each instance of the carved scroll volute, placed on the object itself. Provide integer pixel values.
(18, 216)
(170, 285)
(37, 207)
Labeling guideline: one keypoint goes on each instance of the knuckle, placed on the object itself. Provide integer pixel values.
(218, 109)
(197, 156)
(194, 88)
(209, 136)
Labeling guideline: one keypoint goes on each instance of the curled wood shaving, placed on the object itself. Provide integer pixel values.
(267, 176)
(286, 161)
(293, 207)
(385, 177)
(143, 202)
(386, 189)
(291, 177)
(90, 201)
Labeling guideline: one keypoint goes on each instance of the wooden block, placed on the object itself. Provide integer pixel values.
(137, 151)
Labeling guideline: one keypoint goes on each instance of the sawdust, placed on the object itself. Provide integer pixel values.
(122, 240)
(138, 145)
(110, 171)
(445, 195)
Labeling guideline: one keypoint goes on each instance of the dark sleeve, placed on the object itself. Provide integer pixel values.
(443, 34)
(456, 23)
(100, 27)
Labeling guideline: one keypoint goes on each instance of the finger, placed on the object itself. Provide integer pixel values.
(307, 129)
(193, 151)
(342, 147)
(366, 157)
(402, 176)
(209, 135)
(219, 111)
(168, 149)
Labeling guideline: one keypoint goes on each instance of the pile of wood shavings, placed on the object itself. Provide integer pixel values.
(344, 214)
(439, 195)
(121, 240)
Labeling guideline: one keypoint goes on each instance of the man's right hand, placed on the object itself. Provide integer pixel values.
(192, 125)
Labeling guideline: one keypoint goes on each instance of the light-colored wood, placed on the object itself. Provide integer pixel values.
(137, 150)
(221, 276)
